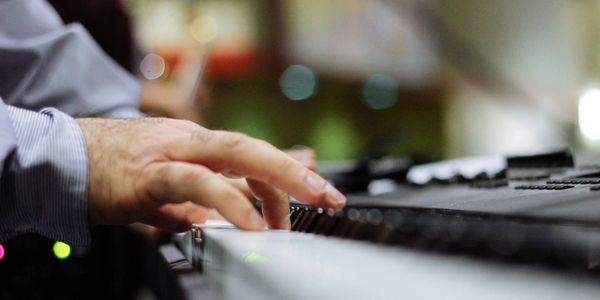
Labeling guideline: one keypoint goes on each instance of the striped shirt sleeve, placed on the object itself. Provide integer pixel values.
(44, 63)
(43, 186)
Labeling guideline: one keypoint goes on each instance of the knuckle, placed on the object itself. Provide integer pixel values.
(267, 177)
(230, 195)
(285, 165)
(267, 145)
(160, 183)
(163, 173)
(201, 136)
(194, 176)
(281, 194)
(187, 124)
(233, 139)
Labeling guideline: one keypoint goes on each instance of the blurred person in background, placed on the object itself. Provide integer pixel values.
(109, 23)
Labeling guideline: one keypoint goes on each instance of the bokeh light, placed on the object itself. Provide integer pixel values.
(152, 66)
(380, 91)
(61, 250)
(204, 29)
(251, 122)
(298, 82)
(254, 257)
(589, 115)
(333, 136)
(1, 252)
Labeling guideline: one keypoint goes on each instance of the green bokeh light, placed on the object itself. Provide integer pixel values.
(61, 250)
(251, 123)
(333, 138)
(254, 257)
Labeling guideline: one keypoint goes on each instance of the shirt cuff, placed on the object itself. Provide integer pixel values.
(45, 188)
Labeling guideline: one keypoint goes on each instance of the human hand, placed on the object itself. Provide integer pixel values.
(305, 156)
(163, 172)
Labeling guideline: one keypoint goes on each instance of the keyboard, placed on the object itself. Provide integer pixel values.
(543, 208)
(478, 228)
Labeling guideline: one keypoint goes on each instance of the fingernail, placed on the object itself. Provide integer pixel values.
(256, 220)
(315, 183)
(334, 196)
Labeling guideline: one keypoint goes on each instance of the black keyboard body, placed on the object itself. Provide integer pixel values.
(543, 208)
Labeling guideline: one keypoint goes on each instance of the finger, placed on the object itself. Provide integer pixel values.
(177, 217)
(241, 185)
(178, 182)
(213, 214)
(149, 230)
(275, 204)
(306, 157)
(251, 158)
(232, 175)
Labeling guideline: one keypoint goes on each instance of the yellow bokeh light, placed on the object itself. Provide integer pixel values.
(204, 29)
(61, 250)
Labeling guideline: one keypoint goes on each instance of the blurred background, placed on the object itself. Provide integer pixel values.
(354, 78)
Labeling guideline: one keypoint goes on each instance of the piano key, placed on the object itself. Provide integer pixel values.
(309, 222)
(301, 219)
(302, 212)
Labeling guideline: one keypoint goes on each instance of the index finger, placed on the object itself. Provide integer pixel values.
(223, 151)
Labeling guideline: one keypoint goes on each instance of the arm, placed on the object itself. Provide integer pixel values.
(158, 171)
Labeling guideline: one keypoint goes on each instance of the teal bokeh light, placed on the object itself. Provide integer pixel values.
(298, 82)
(380, 91)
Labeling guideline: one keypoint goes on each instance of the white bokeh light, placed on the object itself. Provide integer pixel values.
(204, 29)
(589, 115)
(152, 66)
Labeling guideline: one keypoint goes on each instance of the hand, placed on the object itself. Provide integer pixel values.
(305, 156)
(163, 172)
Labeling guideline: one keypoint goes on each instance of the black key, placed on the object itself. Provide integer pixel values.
(294, 214)
(544, 187)
(574, 181)
(302, 220)
(309, 222)
(298, 218)
(327, 223)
